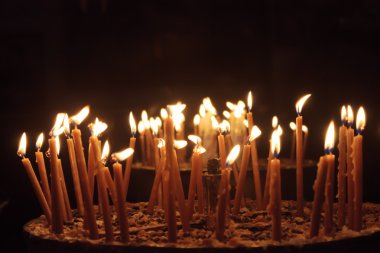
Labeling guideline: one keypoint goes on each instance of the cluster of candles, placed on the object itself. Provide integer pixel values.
(162, 146)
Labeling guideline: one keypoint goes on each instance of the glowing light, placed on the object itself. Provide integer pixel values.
(199, 149)
(292, 126)
(214, 122)
(22, 145)
(161, 143)
(330, 137)
(255, 132)
(249, 101)
(66, 125)
(39, 141)
(105, 152)
(245, 122)
(343, 114)
(141, 127)
(234, 153)
(360, 120)
(350, 115)
(230, 105)
(154, 126)
(305, 129)
(81, 115)
(202, 110)
(57, 144)
(208, 105)
(275, 143)
(197, 119)
(122, 155)
(97, 127)
(132, 123)
(227, 114)
(164, 113)
(57, 128)
(301, 102)
(180, 144)
(194, 138)
(279, 130)
(158, 122)
(274, 121)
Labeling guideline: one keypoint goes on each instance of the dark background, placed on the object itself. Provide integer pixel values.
(132, 55)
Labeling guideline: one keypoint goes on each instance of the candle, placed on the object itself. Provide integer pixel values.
(329, 188)
(107, 175)
(122, 215)
(342, 170)
(249, 114)
(305, 131)
(299, 155)
(222, 195)
(169, 180)
(350, 166)
(148, 137)
(155, 191)
(33, 179)
(42, 169)
(83, 177)
(132, 143)
(358, 169)
(105, 204)
(254, 133)
(274, 207)
(319, 186)
(292, 126)
(196, 121)
(68, 216)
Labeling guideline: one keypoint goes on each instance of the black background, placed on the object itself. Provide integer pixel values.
(132, 55)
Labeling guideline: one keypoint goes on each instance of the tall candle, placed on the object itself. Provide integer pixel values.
(292, 126)
(105, 204)
(122, 214)
(319, 186)
(42, 169)
(242, 177)
(267, 177)
(342, 169)
(141, 130)
(83, 177)
(249, 114)
(305, 131)
(154, 194)
(256, 171)
(192, 184)
(196, 121)
(111, 186)
(274, 207)
(33, 179)
(299, 154)
(350, 166)
(132, 143)
(68, 216)
(169, 203)
(329, 188)
(358, 169)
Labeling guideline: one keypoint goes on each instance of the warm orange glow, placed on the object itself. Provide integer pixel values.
(227, 114)
(279, 130)
(80, 116)
(255, 132)
(57, 144)
(274, 121)
(145, 120)
(141, 127)
(275, 143)
(202, 111)
(57, 128)
(343, 114)
(330, 137)
(66, 125)
(199, 149)
(305, 129)
(350, 115)
(164, 113)
(301, 102)
(223, 127)
(132, 123)
(97, 127)
(214, 122)
(360, 120)
(209, 106)
(245, 122)
(158, 122)
(234, 153)
(241, 105)
(249, 101)
(22, 145)
(292, 126)
(176, 108)
(227, 125)
(153, 126)
(122, 155)
(194, 138)
(178, 118)
(180, 144)
(230, 105)
(197, 119)
(105, 152)
(161, 143)
(39, 141)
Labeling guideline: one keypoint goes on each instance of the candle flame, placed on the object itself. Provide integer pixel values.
(227, 125)
(122, 155)
(164, 113)
(249, 101)
(57, 128)
(161, 143)
(66, 125)
(141, 127)
(202, 111)
(241, 105)
(39, 141)
(178, 118)
(301, 102)
(154, 126)
(57, 144)
(234, 153)
(360, 120)
(194, 138)
(145, 120)
(292, 126)
(214, 122)
(343, 114)
(158, 122)
(238, 112)
(81, 115)
(230, 105)
(209, 106)
(177, 108)
(330, 137)
(197, 119)
(255, 132)
(105, 152)
(178, 144)
(199, 149)
(350, 115)
(279, 130)
(223, 127)
(275, 143)
(245, 122)
(227, 114)
(274, 121)
(132, 123)
(305, 129)
(97, 127)
(22, 146)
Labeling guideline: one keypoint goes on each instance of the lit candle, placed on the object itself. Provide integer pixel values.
(196, 169)
(148, 137)
(42, 169)
(350, 167)
(249, 114)
(305, 131)
(319, 186)
(141, 129)
(196, 121)
(255, 132)
(33, 179)
(274, 207)
(222, 195)
(109, 181)
(358, 169)
(132, 143)
(292, 126)
(329, 188)
(58, 210)
(120, 192)
(73, 166)
(342, 170)
(83, 177)
(299, 155)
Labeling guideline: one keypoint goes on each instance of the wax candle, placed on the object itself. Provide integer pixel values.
(107, 175)
(350, 166)
(292, 126)
(154, 194)
(105, 204)
(141, 129)
(255, 167)
(68, 216)
(33, 179)
(305, 131)
(329, 188)
(83, 177)
(342, 169)
(196, 121)
(148, 138)
(249, 113)
(132, 143)
(299, 155)
(274, 207)
(122, 214)
(222, 195)
(358, 169)
(42, 169)
(319, 186)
